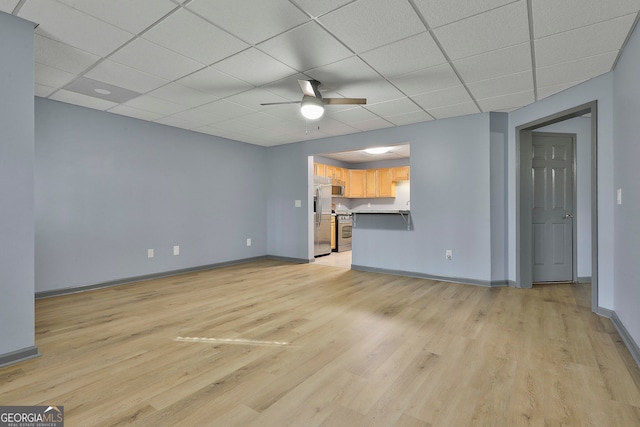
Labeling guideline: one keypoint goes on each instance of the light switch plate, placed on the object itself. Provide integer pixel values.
(619, 196)
(176, 250)
(149, 253)
(298, 203)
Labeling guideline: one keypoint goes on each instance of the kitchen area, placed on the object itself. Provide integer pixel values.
(347, 184)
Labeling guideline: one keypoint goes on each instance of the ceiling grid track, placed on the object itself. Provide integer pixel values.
(532, 43)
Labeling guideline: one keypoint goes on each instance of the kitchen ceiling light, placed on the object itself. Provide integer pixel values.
(102, 91)
(377, 150)
(311, 107)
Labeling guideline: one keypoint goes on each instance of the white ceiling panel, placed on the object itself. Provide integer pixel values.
(506, 102)
(51, 77)
(214, 82)
(132, 16)
(368, 24)
(126, 77)
(305, 47)
(454, 110)
(125, 110)
(498, 28)
(553, 16)
(587, 41)
(183, 95)
(427, 80)
(450, 96)
(251, 21)
(8, 5)
(440, 12)
(242, 66)
(580, 69)
(155, 105)
(62, 56)
(195, 38)
(210, 64)
(405, 56)
(394, 107)
(502, 85)
(63, 23)
(157, 60)
(509, 60)
(317, 8)
(82, 100)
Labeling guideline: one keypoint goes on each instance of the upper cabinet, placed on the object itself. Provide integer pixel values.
(365, 183)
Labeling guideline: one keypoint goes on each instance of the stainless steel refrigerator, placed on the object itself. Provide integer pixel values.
(322, 215)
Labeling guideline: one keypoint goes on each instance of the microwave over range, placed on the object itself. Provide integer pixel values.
(337, 188)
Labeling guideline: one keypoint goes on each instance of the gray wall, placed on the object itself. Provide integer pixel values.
(450, 200)
(109, 187)
(626, 249)
(498, 180)
(16, 186)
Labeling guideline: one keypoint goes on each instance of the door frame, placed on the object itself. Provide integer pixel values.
(524, 233)
(574, 196)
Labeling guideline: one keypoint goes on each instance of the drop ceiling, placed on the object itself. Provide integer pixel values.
(208, 65)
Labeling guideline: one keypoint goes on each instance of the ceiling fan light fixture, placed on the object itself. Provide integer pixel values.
(311, 107)
(377, 150)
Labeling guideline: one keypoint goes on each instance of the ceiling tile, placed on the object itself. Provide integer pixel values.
(254, 97)
(288, 112)
(254, 67)
(197, 117)
(174, 122)
(373, 124)
(552, 16)
(287, 88)
(498, 28)
(317, 8)
(340, 75)
(226, 109)
(444, 97)
(405, 56)
(506, 102)
(97, 89)
(592, 40)
(368, 24)
(153, 59)
(133, 16)
(195, 38)
(250, 20)
(82, 100)
(374, 91)
(126, 77)
(51, 77)
(179, 94)
(43, 91)
(60, 22)
(454, 110)
(351, 115)
(125, 110)
(395, 107)
(61, 56)
(8, 5)
(441, 12)
(155, 105)
(544, 92)
(501, 62)
(305, 47)
(427, 80)
(214, 82)
(409, 118)
(580, 69)
(502, 85)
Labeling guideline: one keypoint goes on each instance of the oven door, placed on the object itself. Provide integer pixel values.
(344, 236)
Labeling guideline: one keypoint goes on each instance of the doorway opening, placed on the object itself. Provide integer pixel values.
(524, 208)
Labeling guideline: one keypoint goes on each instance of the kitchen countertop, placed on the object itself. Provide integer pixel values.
(382, 211)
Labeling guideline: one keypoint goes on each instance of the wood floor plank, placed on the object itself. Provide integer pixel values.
(275, 343)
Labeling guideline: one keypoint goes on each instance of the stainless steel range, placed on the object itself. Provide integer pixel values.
(343, 232)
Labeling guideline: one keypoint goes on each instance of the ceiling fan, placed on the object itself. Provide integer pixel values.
(312, 103)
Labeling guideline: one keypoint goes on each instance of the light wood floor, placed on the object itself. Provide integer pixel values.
(274, 344)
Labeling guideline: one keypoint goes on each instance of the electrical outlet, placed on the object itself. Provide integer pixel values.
(248, 242)
(176, 250)
(448, 254)
(149, 253)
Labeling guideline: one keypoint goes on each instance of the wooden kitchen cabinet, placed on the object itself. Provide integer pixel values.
(371, 184)
(319, 169)
(400, 173)
(386, 187)
(357, 183)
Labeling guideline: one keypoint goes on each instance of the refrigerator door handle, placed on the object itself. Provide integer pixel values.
(318, 207)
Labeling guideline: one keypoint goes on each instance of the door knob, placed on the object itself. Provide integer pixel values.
(567, 216)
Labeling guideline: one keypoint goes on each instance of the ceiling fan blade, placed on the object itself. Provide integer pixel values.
(310, 88)
(280, 103)
(344, 101)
